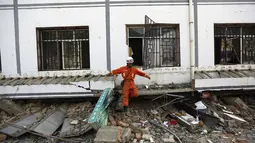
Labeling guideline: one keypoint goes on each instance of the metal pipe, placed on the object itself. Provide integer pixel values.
(192, 43)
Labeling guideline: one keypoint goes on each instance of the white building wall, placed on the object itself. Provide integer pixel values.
(7, 43)
(54, 17)
(208, 15)
(53, 1)
(122, 16)
(6, 2)
(31, 17)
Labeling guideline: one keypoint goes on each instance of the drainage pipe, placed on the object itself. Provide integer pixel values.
(192, 43)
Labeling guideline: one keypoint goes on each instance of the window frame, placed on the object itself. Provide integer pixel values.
(241, 37)
(162, 25)
(61, 44)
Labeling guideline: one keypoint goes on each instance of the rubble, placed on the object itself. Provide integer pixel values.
(112, 120)
(52, 122)
(236, 101)
(109, 134)
(10, 107)
(26, 122)
(123, 124)
(180, 122)
(2, 137)
(74, 122)
(126, 135)
(169, 139)
(138, 136)
(71, 130)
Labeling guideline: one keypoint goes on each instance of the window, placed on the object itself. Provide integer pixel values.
(161, 47)
(63, 48)
(234, 43)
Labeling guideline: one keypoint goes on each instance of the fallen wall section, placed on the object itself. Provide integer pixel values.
(99, 116)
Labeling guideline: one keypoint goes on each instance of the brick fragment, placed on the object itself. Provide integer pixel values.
(2, 137)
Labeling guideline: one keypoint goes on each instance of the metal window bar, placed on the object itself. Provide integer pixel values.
(61, 48)
(160, 45)
(237, 43)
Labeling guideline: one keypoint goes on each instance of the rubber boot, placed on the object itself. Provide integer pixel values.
(125, 108)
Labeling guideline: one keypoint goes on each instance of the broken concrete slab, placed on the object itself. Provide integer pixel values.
(10, 107)
(126, 135)
(112, 120)
(69, 130)
(99, 116)
(123, 124)
(24, 123)
(138, 136)
(51, 122)
(236, 101)
(146, 137)
(241, 140)
(108, 134)
(169, 139)
(74, 122)
(202, 140)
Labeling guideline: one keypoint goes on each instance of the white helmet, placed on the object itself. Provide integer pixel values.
(130, 60)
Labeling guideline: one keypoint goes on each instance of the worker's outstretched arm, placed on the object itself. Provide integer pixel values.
(138, 72)
(115, 72)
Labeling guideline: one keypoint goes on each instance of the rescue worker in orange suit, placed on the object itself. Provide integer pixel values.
(129, 88)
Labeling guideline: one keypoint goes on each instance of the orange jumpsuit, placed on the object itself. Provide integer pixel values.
(129, 88)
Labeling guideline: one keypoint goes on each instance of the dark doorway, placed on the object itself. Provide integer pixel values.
(137, 45)
(217, 50)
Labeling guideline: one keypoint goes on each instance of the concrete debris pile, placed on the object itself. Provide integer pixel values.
(76, 121)
(43, 122)
(165, 119)
(66, 122)
(197, 120)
